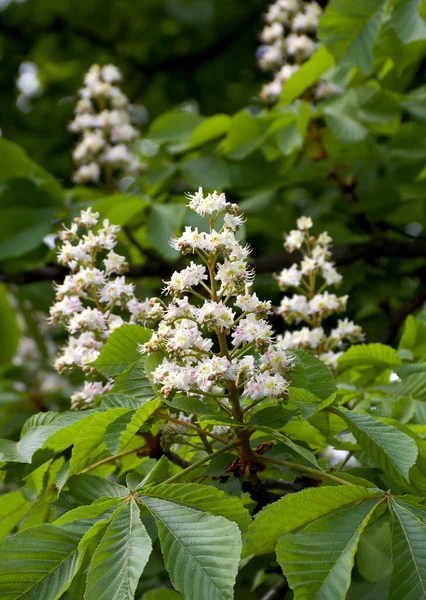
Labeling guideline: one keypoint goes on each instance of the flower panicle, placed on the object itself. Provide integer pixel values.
(311, 303)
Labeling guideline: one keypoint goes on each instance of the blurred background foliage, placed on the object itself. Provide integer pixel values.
(355, 163)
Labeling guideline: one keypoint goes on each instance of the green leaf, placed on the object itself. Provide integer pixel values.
(369, 355)
(13, 507)
(17, 164)
(120, 352)
(296, 510)
(86, 488)
(271, 416)
(210, 172)
(210, 129)
(389, 448)
(174, 126)
(92, 512)
(342, 116)
(120, 209)
(135, 383)
(120, 432)
(163, 222)
(311, 374)
(408, 579)
(201, 551)
(414, 337)
(413, 386)
(245, 134)
(9, 330)
(161, 594)
(89, 441)
(120, 557)
(202, 497)
(304, 452)
(40, 562)
(407, 22)
(318, 561)
(349, 31)
(373, 558)
(307, 75)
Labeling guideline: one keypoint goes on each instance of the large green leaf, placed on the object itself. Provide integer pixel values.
(389, 448)
(408, 579)
(349, 30)
(373, 559)
(120, 557)
(201, 551)
(295, 510)
(369, 355)
(40, 562)
(202, 497)
(342, 116)
(311, 374)
(303, 452)
(318, 561)
(121, 350)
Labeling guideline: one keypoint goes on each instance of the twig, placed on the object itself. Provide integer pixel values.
(110, 458)
(313, 472)
(201, 432)
(278, 591)
(177, 460)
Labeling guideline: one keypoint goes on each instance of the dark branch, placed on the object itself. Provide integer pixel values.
(278, 591)
(343, 255)
(177, 460)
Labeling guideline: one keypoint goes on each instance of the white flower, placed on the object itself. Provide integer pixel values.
(293, 240)
(329, 273)
(116, 290)
(290, 277)
(206, 205)
(189, 277)
(300, 45)
(304, 223)
(114, 263)
(86, 173)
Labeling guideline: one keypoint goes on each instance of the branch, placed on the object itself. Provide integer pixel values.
(278, 591)
(343, 255)
(177, 460)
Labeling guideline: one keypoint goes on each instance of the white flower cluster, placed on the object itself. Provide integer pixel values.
(103, 121)
(89, 298)
(210, 350)
(287, 42)
(312, 303)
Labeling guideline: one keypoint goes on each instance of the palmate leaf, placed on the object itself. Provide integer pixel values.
(120, 557)
(202, 497)
(391, 449)
(408, 578)
(311, 374)
(318, 561)
(135, 383)
(296, 510)
(40, 562)
(201, 551)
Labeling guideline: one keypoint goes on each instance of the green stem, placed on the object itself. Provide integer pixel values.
(315, 474)
(201, 462)
(110, 458)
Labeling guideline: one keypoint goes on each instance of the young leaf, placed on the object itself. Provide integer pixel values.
(318, 561)
(408, 578)
(390, 448)
(120, 558)
(202, 497)
(295, 510)
(120, 352)
(201, 551)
